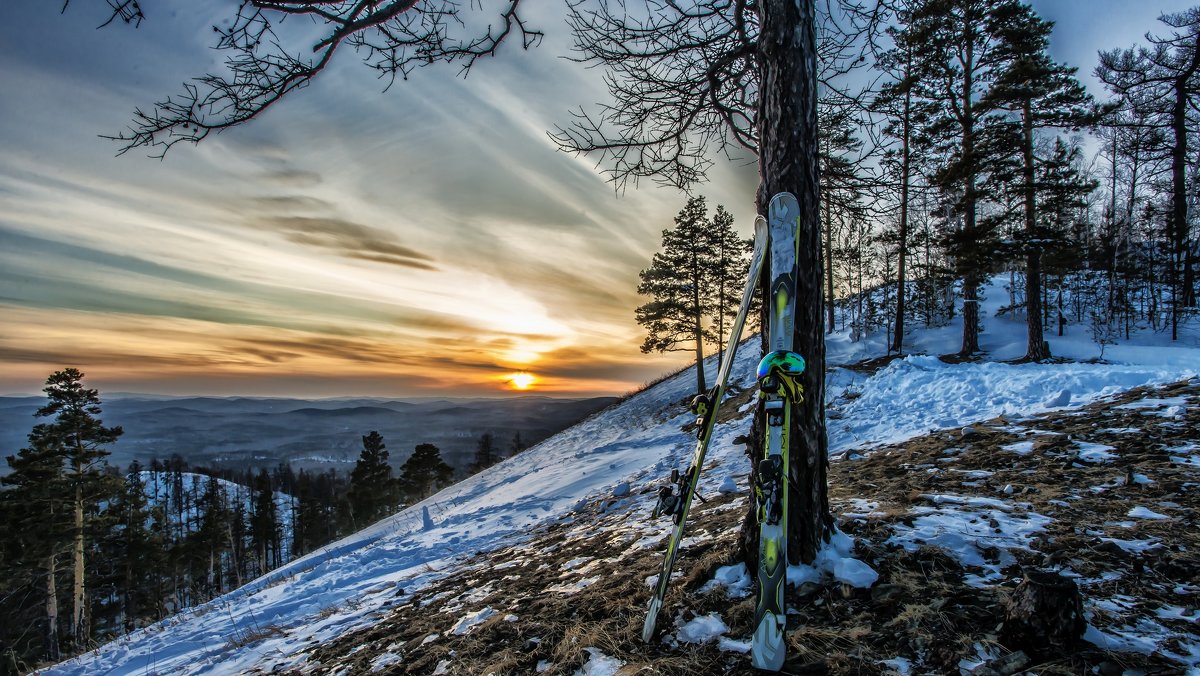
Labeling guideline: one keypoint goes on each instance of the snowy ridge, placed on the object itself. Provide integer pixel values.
(272, 622)
(339, 587)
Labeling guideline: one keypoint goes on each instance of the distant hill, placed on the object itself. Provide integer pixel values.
(311, 434)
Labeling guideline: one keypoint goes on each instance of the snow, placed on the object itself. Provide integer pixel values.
(1144, 513)
(834, 561)
(346, 585)
(469, 621)
(1096, 453)
(600, 664)
(702, 629)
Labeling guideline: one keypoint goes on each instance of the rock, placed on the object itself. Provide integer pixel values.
(968, 431)
(621, 490)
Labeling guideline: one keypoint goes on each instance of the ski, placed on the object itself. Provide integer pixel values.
(675, 499)
(779, 389)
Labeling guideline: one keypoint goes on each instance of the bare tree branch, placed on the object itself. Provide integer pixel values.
(265, 63)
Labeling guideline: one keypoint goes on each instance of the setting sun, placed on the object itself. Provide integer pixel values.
(522, 381)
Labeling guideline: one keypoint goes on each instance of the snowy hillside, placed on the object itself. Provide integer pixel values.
(608, 465)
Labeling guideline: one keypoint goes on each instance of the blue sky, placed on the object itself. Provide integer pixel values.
(425, 240)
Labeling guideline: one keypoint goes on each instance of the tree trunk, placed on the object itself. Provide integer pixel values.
(787, 118)
(1036, 347)
(78, 610)
(831, 319)
(1044, 615)
(52, 651)
(898, 339)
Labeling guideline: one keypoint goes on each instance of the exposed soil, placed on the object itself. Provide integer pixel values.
(576, 590)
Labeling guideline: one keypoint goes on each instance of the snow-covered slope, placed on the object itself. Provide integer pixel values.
(345, 586)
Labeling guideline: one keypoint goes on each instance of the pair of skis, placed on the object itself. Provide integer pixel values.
(778, 390)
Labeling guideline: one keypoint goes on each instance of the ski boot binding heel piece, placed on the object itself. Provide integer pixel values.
(704, 407)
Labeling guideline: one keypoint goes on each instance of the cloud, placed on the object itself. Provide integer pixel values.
(348, 239)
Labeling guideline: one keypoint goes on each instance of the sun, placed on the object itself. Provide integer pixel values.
(522, 380)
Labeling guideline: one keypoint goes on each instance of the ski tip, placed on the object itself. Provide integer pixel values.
(783, 199)
(767, 648)
(651, 619)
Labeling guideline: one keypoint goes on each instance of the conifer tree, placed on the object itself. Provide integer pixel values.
(730, 265)
(264, 523)
(424, 473)
(676, 281)
(517, 445)
(1044, 94)
(1162, 83)
(136, 550)
(37, 515)
(486, 454)
(372, 489)
(955, 57)
(80, 436)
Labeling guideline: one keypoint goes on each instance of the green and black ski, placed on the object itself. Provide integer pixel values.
(779, 389)
(675, 499)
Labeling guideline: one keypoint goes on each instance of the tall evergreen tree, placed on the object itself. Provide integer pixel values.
(424, 473)
(1043, 94)
(486, 454)
(1162, 82)
(956, 56)
(372, 489)
(80, 436)
(264, 523)
(730, 265)
(676, 281)
(136, 552)
(38, 517)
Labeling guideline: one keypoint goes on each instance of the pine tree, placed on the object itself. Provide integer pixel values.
(79, 435)
(676, 280)
(38, 515)
(955, 57)
(264, 523)
(517, 445)
(730, 265)
(136, 550)
(486, 454)
(424, 473)
(1162, 85)
(1044, 94)
(372, 489)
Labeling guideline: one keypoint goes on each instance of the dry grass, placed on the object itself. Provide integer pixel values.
(920, 609)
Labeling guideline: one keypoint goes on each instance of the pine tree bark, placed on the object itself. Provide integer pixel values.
(1044, 615)
(52, 650)
(1036, 349)
(78, 611)
(902, 256)
(830, 319)
(787, 117)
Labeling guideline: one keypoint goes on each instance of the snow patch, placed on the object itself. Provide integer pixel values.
(469, 621)
(702, 629)
(599, 664)
(1140, 512)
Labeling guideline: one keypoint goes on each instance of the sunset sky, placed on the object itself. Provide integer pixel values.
(427, 240)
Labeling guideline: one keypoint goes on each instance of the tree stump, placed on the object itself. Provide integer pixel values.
(1044, 615)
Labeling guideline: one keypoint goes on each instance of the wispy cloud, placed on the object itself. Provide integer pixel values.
(351, 240)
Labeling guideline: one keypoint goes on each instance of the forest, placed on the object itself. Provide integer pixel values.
(91, 551)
